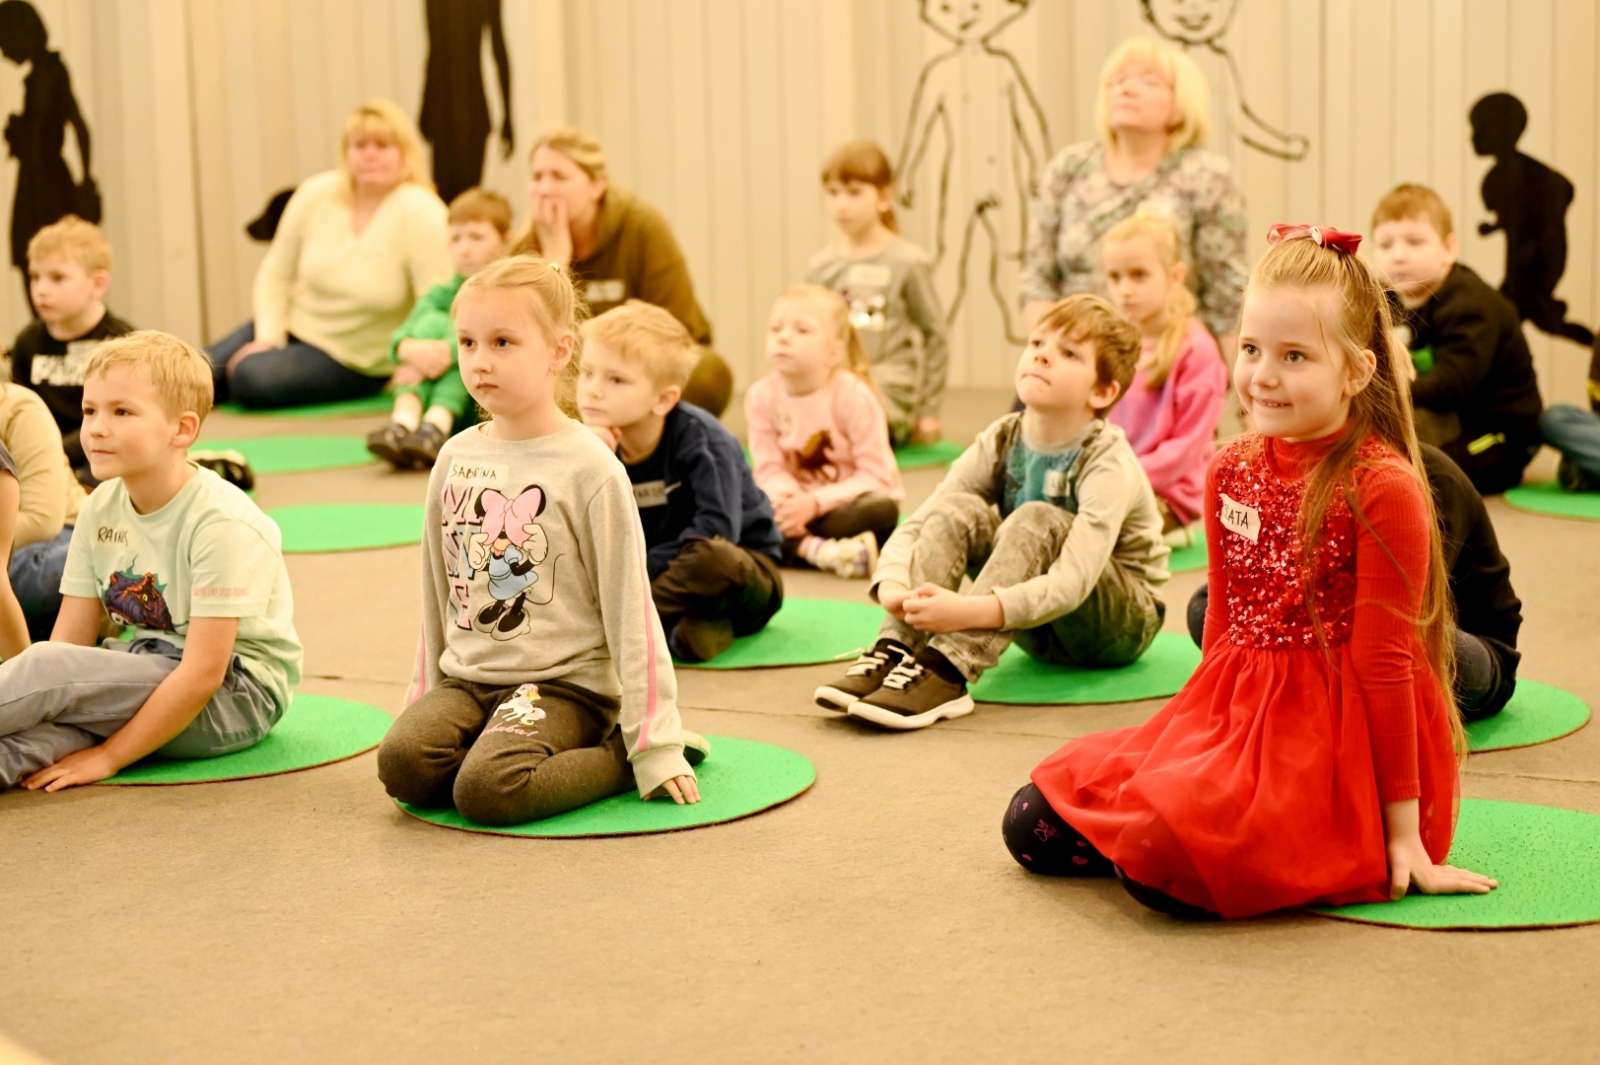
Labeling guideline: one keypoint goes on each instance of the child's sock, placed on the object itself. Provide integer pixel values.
(441, 419)
(809, 546)
(936, 663)
(405, 418)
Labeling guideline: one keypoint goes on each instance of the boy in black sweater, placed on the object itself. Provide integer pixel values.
(1472, 361)
(713, 545)
(69, 270)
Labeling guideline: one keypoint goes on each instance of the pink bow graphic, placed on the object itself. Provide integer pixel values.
(509, 516)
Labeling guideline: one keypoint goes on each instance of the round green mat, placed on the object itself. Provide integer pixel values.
(803, 632)
(314, 528)
(1547, 497)
(1188, 559)
(315, 730)
(1546, 859)
(739, 779)
(292, 454)
(921, 456)
(1537, 713)
(1160, 671)
(345, 408)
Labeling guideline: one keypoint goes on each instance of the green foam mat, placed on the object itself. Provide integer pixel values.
(1546, 859)
(315, 730)
(1188, 559)
(315, 528)
(1548, 498)
(804, 632)
(740, 778)
(921, 456)
(1020, 679)
(344, 408)
(293, 454)
(1537, 713)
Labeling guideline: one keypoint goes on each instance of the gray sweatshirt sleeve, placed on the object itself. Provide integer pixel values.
(649, 716)
(425, 672)
(927, 314)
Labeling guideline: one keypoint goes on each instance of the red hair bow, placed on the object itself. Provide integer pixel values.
(1325, 236)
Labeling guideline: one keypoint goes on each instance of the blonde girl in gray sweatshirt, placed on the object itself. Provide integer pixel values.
(543, 681)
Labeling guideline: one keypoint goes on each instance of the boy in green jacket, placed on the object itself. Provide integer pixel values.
(430, 397)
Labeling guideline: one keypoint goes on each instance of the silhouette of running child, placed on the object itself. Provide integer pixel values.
(455, 109)
(1529, 201)
(46, 189)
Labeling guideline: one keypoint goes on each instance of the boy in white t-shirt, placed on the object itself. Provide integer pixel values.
(179, 554)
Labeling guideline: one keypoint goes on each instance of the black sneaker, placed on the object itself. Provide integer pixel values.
(388, 442)
(913, 696)
(863, 677)
(230, 465)
(1574, 478)
(421, 446)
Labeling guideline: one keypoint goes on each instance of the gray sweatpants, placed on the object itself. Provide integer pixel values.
(1112, 627)
(56, 698)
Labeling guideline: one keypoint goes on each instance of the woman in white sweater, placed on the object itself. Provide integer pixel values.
(355, 249)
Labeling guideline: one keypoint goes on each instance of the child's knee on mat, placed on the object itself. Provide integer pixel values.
(408, 774)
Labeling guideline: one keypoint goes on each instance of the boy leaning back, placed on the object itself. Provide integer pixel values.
(1053, 506)
(177, 553)
(714, 545)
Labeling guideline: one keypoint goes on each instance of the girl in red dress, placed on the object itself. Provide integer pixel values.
(1312, 757)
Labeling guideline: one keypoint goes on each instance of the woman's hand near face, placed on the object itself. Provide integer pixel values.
(554, 230)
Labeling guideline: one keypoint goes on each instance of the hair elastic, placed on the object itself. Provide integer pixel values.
(1324, 236)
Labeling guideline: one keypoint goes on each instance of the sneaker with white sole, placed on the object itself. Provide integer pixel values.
(864, 676)
(913, 696)
(854, 558)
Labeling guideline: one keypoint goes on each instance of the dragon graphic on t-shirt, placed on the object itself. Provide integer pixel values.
(136, 599)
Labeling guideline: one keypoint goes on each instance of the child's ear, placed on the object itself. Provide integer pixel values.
(1180, 272)
(1452, 247)
(100, 281)
(1359, 372)
(1102, 397)
(566, 343)
(667, 399)
(188, 429)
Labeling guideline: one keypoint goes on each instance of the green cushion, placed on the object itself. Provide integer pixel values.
(1537, 713)
(803, 632)
(1161, 671)
(315, 730)
(293, 454)
(344, 408)
(1191, 558)
(1547, 497)
(921, 456)
(740, 778)
(315, 528)
(1546, 859)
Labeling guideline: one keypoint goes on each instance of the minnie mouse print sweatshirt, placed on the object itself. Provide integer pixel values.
(533, 568)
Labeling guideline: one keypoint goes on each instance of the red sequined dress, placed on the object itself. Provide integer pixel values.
(1261, 784)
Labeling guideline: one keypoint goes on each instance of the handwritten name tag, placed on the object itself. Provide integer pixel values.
(478, 474)
(1241, 518)
(651, 494)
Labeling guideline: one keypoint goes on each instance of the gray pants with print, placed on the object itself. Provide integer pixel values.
(56, 698)
(1111, 628)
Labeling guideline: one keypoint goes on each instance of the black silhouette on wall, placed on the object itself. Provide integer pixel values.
(1204, 23)
(1529, 202)
(264, 226)
(46, 189)
(455, 108)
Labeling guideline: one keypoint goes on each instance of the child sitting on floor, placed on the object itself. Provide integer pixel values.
(887, 281)
(50, 498)
(1311, 758)
(1575, 433)
(1170, 412)
(174, 551)
(820, 439)
(429, 397)
(1051, 503)
(536, 612)
(713, 546)
(1475, 377)
(13, 624)
(69, 270)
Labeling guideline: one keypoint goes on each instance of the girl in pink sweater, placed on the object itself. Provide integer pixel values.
(820, 438)
(1170, 412)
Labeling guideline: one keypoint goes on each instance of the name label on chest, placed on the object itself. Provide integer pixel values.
(1241, 518)
(651, 494)
(465, 473)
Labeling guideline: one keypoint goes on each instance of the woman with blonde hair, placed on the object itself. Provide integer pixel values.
(1153, 115)
(616, 246)
(355, 248)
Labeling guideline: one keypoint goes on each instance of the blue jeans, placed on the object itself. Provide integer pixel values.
(35, 573)
(291, 376)
(1575, 433)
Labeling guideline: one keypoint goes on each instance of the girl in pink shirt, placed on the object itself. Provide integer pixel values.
(820, 438)
(1171, 410)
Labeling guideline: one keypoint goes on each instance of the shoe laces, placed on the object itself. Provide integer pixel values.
(901, 677)
(870, 662)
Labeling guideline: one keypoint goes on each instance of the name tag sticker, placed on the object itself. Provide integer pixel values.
(868, 275)
(1055, 484)
(651, 494)
(610, 290)
(478, 474)
(115, 536)
(1241, 518)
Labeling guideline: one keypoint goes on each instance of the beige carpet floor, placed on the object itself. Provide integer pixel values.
(877, 918)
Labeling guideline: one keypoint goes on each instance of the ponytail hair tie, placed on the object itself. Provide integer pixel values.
(1323, 236)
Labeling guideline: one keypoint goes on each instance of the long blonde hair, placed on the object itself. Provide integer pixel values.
(1383, 410)
(548, 294)
(579, 145)
(855, 355)
(1163, 235)
(385, 118)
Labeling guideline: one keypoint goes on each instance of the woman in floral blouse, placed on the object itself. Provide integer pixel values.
(1153, 113)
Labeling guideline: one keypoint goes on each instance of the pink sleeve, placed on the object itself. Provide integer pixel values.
(1199, 385)
(860, 420)
(772, 473)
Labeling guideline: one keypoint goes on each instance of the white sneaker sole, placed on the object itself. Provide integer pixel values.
(959, 707)
(830, 698)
